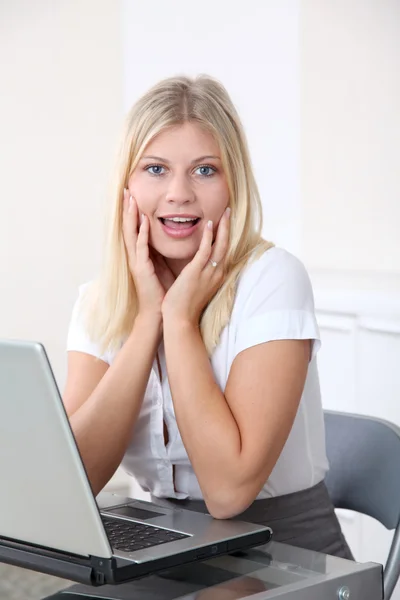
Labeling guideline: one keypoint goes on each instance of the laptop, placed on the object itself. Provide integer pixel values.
(50, 520)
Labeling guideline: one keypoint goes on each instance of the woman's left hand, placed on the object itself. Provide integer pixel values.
(201, 278)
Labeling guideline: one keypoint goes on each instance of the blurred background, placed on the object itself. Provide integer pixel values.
(317, 85)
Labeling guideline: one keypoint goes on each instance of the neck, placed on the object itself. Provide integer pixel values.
(177, 264)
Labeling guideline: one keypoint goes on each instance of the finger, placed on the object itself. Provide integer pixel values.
(142, 245)
(129, 223)
(133, 212)
(221, 243)
(204, 252)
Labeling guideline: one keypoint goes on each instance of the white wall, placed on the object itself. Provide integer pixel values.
(60, 110)
(350, 118)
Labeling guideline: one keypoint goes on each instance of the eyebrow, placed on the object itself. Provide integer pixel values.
(165, 160)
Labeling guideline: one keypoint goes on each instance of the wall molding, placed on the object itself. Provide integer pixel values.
(361, 303)
(335, 321)
(351, 279)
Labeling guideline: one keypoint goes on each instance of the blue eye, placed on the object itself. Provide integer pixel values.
(156, 169)
(206, 170)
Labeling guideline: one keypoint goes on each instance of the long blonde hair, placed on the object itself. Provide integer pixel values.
(112, 305)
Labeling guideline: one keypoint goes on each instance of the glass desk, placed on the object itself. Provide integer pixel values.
(271, 571)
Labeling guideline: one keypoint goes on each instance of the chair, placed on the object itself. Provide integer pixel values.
(364, 476)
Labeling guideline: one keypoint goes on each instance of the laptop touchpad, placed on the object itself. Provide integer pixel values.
(134, 513)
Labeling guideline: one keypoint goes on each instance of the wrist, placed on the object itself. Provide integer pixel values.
(171, 315)
(150, 321)
(179, 323)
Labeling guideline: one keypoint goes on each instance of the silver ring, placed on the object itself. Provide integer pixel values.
(213, 263)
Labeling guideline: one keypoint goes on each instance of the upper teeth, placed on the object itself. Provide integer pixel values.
(180, 219)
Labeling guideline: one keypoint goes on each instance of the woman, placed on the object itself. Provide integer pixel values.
(192, 359)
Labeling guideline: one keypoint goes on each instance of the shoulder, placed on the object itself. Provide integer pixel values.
(79, 338)
(83, 296)
(276, 274)
(273, 259)
(274, 301)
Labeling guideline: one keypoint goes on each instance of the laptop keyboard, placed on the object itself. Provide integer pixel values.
(130, 536)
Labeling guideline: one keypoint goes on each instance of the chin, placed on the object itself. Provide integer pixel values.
(176, 253)
(184, 249)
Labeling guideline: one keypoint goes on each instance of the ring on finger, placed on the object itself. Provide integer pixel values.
(213, 263)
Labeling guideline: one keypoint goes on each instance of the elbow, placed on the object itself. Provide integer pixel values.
(232, 498)
(229, 497)
(227, 505)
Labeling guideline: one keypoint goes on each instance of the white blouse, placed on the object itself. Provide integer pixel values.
(274, 301)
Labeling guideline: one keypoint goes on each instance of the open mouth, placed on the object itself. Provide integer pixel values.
(180, 223)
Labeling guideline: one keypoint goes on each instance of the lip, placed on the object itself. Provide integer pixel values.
(183, 215)
(179, 233)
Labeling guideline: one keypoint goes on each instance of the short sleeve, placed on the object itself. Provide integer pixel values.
(275, 301)
(78, 338)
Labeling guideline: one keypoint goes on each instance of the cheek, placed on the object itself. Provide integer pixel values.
(217, 201)
(143, 194)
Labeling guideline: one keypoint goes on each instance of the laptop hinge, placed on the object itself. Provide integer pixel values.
(43, 563)
(103, 570)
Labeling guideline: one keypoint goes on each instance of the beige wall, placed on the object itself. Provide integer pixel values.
(60, 113)
(350, 150)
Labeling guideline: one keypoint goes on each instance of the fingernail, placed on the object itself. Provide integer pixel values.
(130, 204)
(141, 218)
(210, 224)
(228, 212)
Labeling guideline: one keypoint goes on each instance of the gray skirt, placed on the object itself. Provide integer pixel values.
(306, 519)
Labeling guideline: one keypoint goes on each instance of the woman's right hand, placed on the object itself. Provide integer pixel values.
(149, 290)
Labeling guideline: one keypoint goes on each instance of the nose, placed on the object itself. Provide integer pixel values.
(179, 191)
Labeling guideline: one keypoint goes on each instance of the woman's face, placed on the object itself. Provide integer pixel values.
(179, 184)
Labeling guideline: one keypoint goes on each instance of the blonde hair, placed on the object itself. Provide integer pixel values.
(113, 306)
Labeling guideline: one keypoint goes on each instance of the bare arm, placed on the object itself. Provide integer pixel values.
(103, 402)
(234, 440)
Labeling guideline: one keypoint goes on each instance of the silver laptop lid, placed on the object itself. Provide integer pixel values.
(45, 496)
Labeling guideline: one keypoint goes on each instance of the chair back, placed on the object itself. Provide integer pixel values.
(364, 457)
